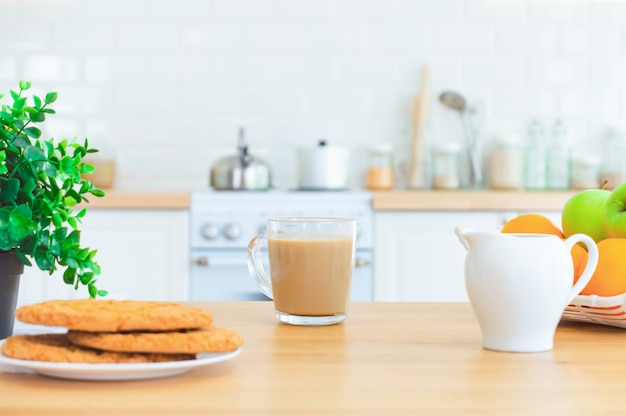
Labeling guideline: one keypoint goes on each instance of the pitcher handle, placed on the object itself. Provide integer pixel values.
(255, 265)
(592, 262)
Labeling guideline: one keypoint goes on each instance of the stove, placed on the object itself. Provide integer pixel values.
(223, 222)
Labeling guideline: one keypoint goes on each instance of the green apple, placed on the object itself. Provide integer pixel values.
(584, 213)
(615, 213)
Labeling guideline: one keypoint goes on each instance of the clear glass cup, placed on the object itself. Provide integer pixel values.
(311, 266)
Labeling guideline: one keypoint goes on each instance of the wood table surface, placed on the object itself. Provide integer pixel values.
(385, 359)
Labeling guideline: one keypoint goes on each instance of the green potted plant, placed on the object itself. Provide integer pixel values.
(41, 182)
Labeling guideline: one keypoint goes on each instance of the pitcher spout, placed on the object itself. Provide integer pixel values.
(462, 233)
(470, 237)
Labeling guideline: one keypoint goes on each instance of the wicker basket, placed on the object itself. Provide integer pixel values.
(598, 310)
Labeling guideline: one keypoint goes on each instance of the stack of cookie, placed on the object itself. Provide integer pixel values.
(118, 331)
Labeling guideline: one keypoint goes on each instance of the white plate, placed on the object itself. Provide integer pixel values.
(110, 372)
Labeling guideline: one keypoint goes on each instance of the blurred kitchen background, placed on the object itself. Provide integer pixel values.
(162, 87)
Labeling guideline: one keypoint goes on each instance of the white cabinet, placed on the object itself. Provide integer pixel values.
(143, 254)
(418, 257)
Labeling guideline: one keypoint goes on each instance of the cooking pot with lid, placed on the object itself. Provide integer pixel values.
(323, 167)
(240, 172)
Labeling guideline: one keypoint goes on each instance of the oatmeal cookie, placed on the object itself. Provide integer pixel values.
(57, 348)
(211, 339)
(114, 315)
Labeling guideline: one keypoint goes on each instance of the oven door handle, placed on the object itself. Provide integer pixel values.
(204, 261)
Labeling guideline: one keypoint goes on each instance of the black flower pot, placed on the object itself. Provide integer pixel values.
(11, 268)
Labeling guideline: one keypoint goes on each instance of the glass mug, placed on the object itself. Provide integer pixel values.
(311, 267)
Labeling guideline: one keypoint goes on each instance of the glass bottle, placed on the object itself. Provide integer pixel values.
(558, 158)
(535, 158)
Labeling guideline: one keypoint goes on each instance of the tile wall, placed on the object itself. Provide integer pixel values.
(164, 85)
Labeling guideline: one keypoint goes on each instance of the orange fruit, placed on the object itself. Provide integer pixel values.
(533, 224)
(579, 255)
(609, 279)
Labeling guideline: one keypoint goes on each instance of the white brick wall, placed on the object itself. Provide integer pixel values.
(165, 84)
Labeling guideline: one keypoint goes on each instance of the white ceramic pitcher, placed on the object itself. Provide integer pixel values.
(520, 284)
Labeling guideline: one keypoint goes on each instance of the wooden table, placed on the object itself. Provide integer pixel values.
(386, 359)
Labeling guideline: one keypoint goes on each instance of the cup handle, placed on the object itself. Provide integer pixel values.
(255, 265)
(592, 262)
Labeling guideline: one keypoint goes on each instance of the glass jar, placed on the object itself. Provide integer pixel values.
(380, 168)
(558, 158)
(613, 153)
(506, 163)
(445, 162)
(535, 158)
(585, 172)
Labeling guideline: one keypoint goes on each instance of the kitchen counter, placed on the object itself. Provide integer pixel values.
(468, 200)
(386, 359)
(396, 200)
(115, 199)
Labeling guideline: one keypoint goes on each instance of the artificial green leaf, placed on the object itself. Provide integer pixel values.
(48, 148)
(43, 261)
(51, 97)
(73, 237)
(18, 105)
(60, 234)
(14, 95)
(23, 258)
(93, 291)
(37, 102)
(85, 187)
(5, 212)
(21, 223)
(34, 154)
(67, 164)
(71, 262)
(87, 168)
(10, 190)
(24, 85)
(98, 192)
(33, 132)
(37, 116)
(56, 220)
(28, 187)
(6, 243)
(48, 111)
(20, 141)
(49, 170)
(102, 293)
(86, 278)
(69, 275)
(69, 201)
(72, 222)
(81, 213)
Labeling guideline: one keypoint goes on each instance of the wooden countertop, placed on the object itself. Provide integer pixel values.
(396, 200)
(385, 359)
(467, 200)
(115, 199)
